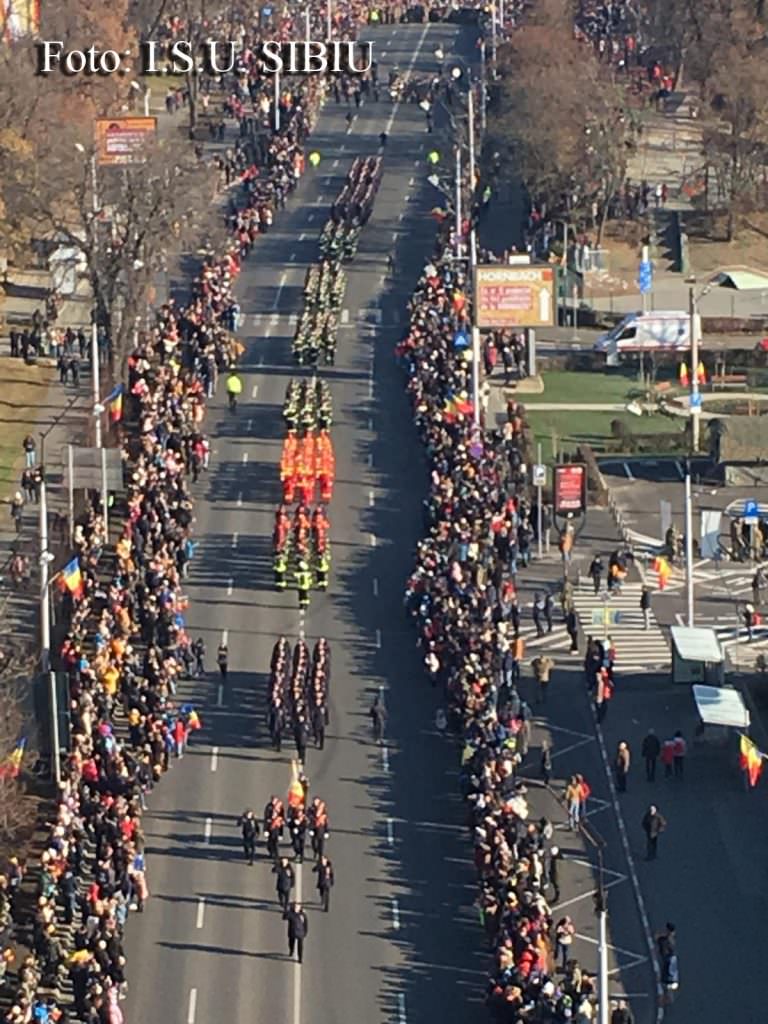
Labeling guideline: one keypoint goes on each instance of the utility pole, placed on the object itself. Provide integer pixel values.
(45, 629)
(539, 513)
(695, 407)
(328, 21)
(689, 544)
(471, 126)
(458, 202)
(277, 100)
(483, 94)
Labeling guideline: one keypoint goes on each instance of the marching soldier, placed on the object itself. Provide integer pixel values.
(324, 870)
(249, 827)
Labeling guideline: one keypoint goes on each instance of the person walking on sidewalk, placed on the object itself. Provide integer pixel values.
(645, 606)
(30, 450)
(596, 573)
(542, 667)
(17, 510)
(679, 750)
(650, 751)
(653, 824)
(621, 765)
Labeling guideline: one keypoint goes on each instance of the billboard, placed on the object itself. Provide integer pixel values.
(514, 296)
(570, 489)
(120, 140)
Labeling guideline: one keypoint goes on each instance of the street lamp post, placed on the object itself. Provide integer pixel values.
(458, 202)
(694, 328)
(45, 630)
(483, 95)
(328, 21)
(277, 100)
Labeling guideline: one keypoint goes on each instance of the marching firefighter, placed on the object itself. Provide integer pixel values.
(281, 530)
(303, 583)
(281, 568)
(322, 568)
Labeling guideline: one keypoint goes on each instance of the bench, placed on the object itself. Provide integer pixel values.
(723, 381)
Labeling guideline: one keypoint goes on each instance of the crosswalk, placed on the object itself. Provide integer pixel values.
(734, 637)
(638, 649)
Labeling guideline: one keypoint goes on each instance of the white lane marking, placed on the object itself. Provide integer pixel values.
(345, 316)
(395, 914)
(371, 499)
(320, 199)
(385, 758)
(378, 639)
(292, 257)
(192, 1006)
(302, 623)
(335, 163)
(299, 899)
(302, 236)
(249, 425)
(414, 58)
(342, 147)
(225, 636)
(240, 500)
(401, 216)
(679, 468)
(261, 362)
(412, 181)
(401, 1019)
(234, 540)
(245, 456)
(370, 460)
(214, 759)
(208, 829)
(375, 586)
(370, 422)
(254, 390)
(280, 287)
(628, 471)
(372, 538)
(220, 696)
(230, 585)
(370, 388)
(390, 832)
(310, 217)
(416, 163)
(200, 913)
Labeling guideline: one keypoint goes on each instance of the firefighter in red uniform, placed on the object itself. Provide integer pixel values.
(282, 528)
(318, 826)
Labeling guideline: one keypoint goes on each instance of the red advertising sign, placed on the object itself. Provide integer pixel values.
(570, 489)
(121, 140)
(514, 296)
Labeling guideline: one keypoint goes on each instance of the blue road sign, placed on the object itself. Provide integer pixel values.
(460, 340)
(751, 508)
(696, 402)
(645, 277)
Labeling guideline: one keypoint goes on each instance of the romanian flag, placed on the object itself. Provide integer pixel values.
(114, 401)
(72, 578)
(750, 760)
(11, 767)
(456, 406)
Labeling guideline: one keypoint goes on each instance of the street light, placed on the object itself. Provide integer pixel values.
(145, 91)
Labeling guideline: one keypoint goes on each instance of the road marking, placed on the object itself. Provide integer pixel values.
(302, 624)
(637, 891)
(240, 500)
(395, 236)
(375, 586)
(320, 199)
(335, 163)
(371, 499)
(412, 181)
(414, 58)
(395, 914)
(245, 456)
(230, 586)
(679, 468)
(628, 471)
(234, 540)
(220, 696)
(280, 287)
(310, 218)
(370, 460)
(208, 829)
(370, 388)
(401, 216)
(385, 758)
(254, 392)
(342, 147)
(302, 236)
(390, 832)
(401, 1019)
(192, 1006)
(292, 257)
(345, 316)
(200, 913)
(378, 639)
(370, 422)
(372, 538)
(224, 636)
(214, 759)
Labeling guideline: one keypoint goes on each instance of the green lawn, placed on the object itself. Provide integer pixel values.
(593, 428)
(574, 387)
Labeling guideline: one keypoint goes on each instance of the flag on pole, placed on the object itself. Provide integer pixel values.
(750, 760)
(72, 578)
(11, 766)
(114, 402)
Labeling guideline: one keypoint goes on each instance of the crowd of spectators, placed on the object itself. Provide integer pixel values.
(127, 645)
(462, 598)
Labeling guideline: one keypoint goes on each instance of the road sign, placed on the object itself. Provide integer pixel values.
(461, 340)
(751, 508)
(695, 404)
(514, 296)
(539, 475)
(605, 617)
(645, 276)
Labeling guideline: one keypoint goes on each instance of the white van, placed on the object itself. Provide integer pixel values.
(660, 330)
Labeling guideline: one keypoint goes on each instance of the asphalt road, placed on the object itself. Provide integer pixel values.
(401, 942)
